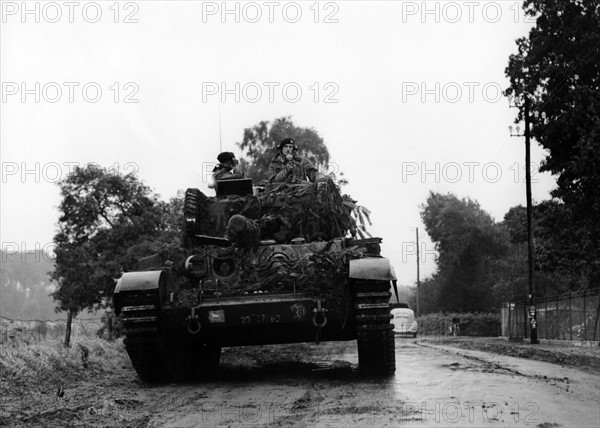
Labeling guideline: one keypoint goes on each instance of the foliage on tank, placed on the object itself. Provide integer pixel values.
(323, 266)
(314, 211)
(315, 272)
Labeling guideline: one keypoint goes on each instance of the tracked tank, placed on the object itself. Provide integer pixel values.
(271, 265)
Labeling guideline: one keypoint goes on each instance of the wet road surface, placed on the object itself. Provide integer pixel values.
(433, 386)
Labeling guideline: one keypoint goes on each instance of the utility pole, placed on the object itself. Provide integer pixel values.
(418, 267)
(530, 252)
(532, 309)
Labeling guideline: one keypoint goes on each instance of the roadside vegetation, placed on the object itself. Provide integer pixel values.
(35, 364)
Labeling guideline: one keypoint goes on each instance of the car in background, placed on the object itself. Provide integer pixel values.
(403, 319)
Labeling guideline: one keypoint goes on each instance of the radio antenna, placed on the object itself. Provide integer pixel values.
(220, 140)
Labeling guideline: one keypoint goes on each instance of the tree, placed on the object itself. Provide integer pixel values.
(558, 69)
(557, 243)
(260, 146)
(469, 244)
(104, 220)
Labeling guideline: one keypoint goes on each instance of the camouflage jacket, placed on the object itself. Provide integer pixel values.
(301, 170)
(222, 172)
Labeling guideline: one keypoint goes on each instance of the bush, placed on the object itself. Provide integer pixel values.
(471, 324)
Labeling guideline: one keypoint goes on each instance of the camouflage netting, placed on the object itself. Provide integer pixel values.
(319, 273)
(316, 272)
(314, 211)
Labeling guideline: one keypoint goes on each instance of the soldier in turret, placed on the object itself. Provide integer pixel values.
(226, 169)
(289, 167)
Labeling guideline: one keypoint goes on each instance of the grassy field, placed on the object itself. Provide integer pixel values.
(42, 362)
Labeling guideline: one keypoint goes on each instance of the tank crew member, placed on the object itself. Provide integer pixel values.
(226, 169)
(289, 167)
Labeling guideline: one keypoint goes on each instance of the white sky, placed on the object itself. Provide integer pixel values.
(384, 132)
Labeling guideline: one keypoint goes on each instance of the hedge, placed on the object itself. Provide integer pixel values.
(471, 324)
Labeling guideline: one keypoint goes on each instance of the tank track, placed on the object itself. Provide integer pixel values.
(375, 335)
(155, 358)
(143, 342)
(191, 204)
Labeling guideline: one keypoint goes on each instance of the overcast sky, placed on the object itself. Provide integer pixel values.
(405, 94)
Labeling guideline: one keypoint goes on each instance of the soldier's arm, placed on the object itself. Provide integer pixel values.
(277, 172)
(220, 174)
(236, 173)
(311, 170)
(281, 176)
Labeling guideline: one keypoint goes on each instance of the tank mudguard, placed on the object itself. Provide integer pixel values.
(141, 281)
(138, 281)
(374, 268)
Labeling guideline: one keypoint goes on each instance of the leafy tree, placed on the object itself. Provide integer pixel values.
(104, 219)
(557, 68)
(260, 146)
(557, 243)
(428, 295)
(469, 243)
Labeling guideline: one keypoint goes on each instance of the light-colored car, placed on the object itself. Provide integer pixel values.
(404, 321)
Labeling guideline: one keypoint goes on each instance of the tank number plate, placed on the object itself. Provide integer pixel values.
(298, 311)
(260, 319)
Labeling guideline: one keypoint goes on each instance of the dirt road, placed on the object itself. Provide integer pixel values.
(309, 385)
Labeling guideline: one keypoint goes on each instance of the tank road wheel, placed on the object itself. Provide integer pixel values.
(375, 334)
(152, 357)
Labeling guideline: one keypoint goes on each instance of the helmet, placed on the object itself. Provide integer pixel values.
(287, 141)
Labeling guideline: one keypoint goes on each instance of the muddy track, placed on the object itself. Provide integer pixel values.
(309, 385)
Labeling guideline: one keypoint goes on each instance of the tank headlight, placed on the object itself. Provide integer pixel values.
(224, 267)
(195, 266)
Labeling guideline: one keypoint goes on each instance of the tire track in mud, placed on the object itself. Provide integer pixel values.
(495, 367)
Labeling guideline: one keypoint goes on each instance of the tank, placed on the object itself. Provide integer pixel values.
(273, 265)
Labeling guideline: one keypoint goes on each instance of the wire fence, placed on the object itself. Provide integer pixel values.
(573, 316)
(457, 331)
(16, 331)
